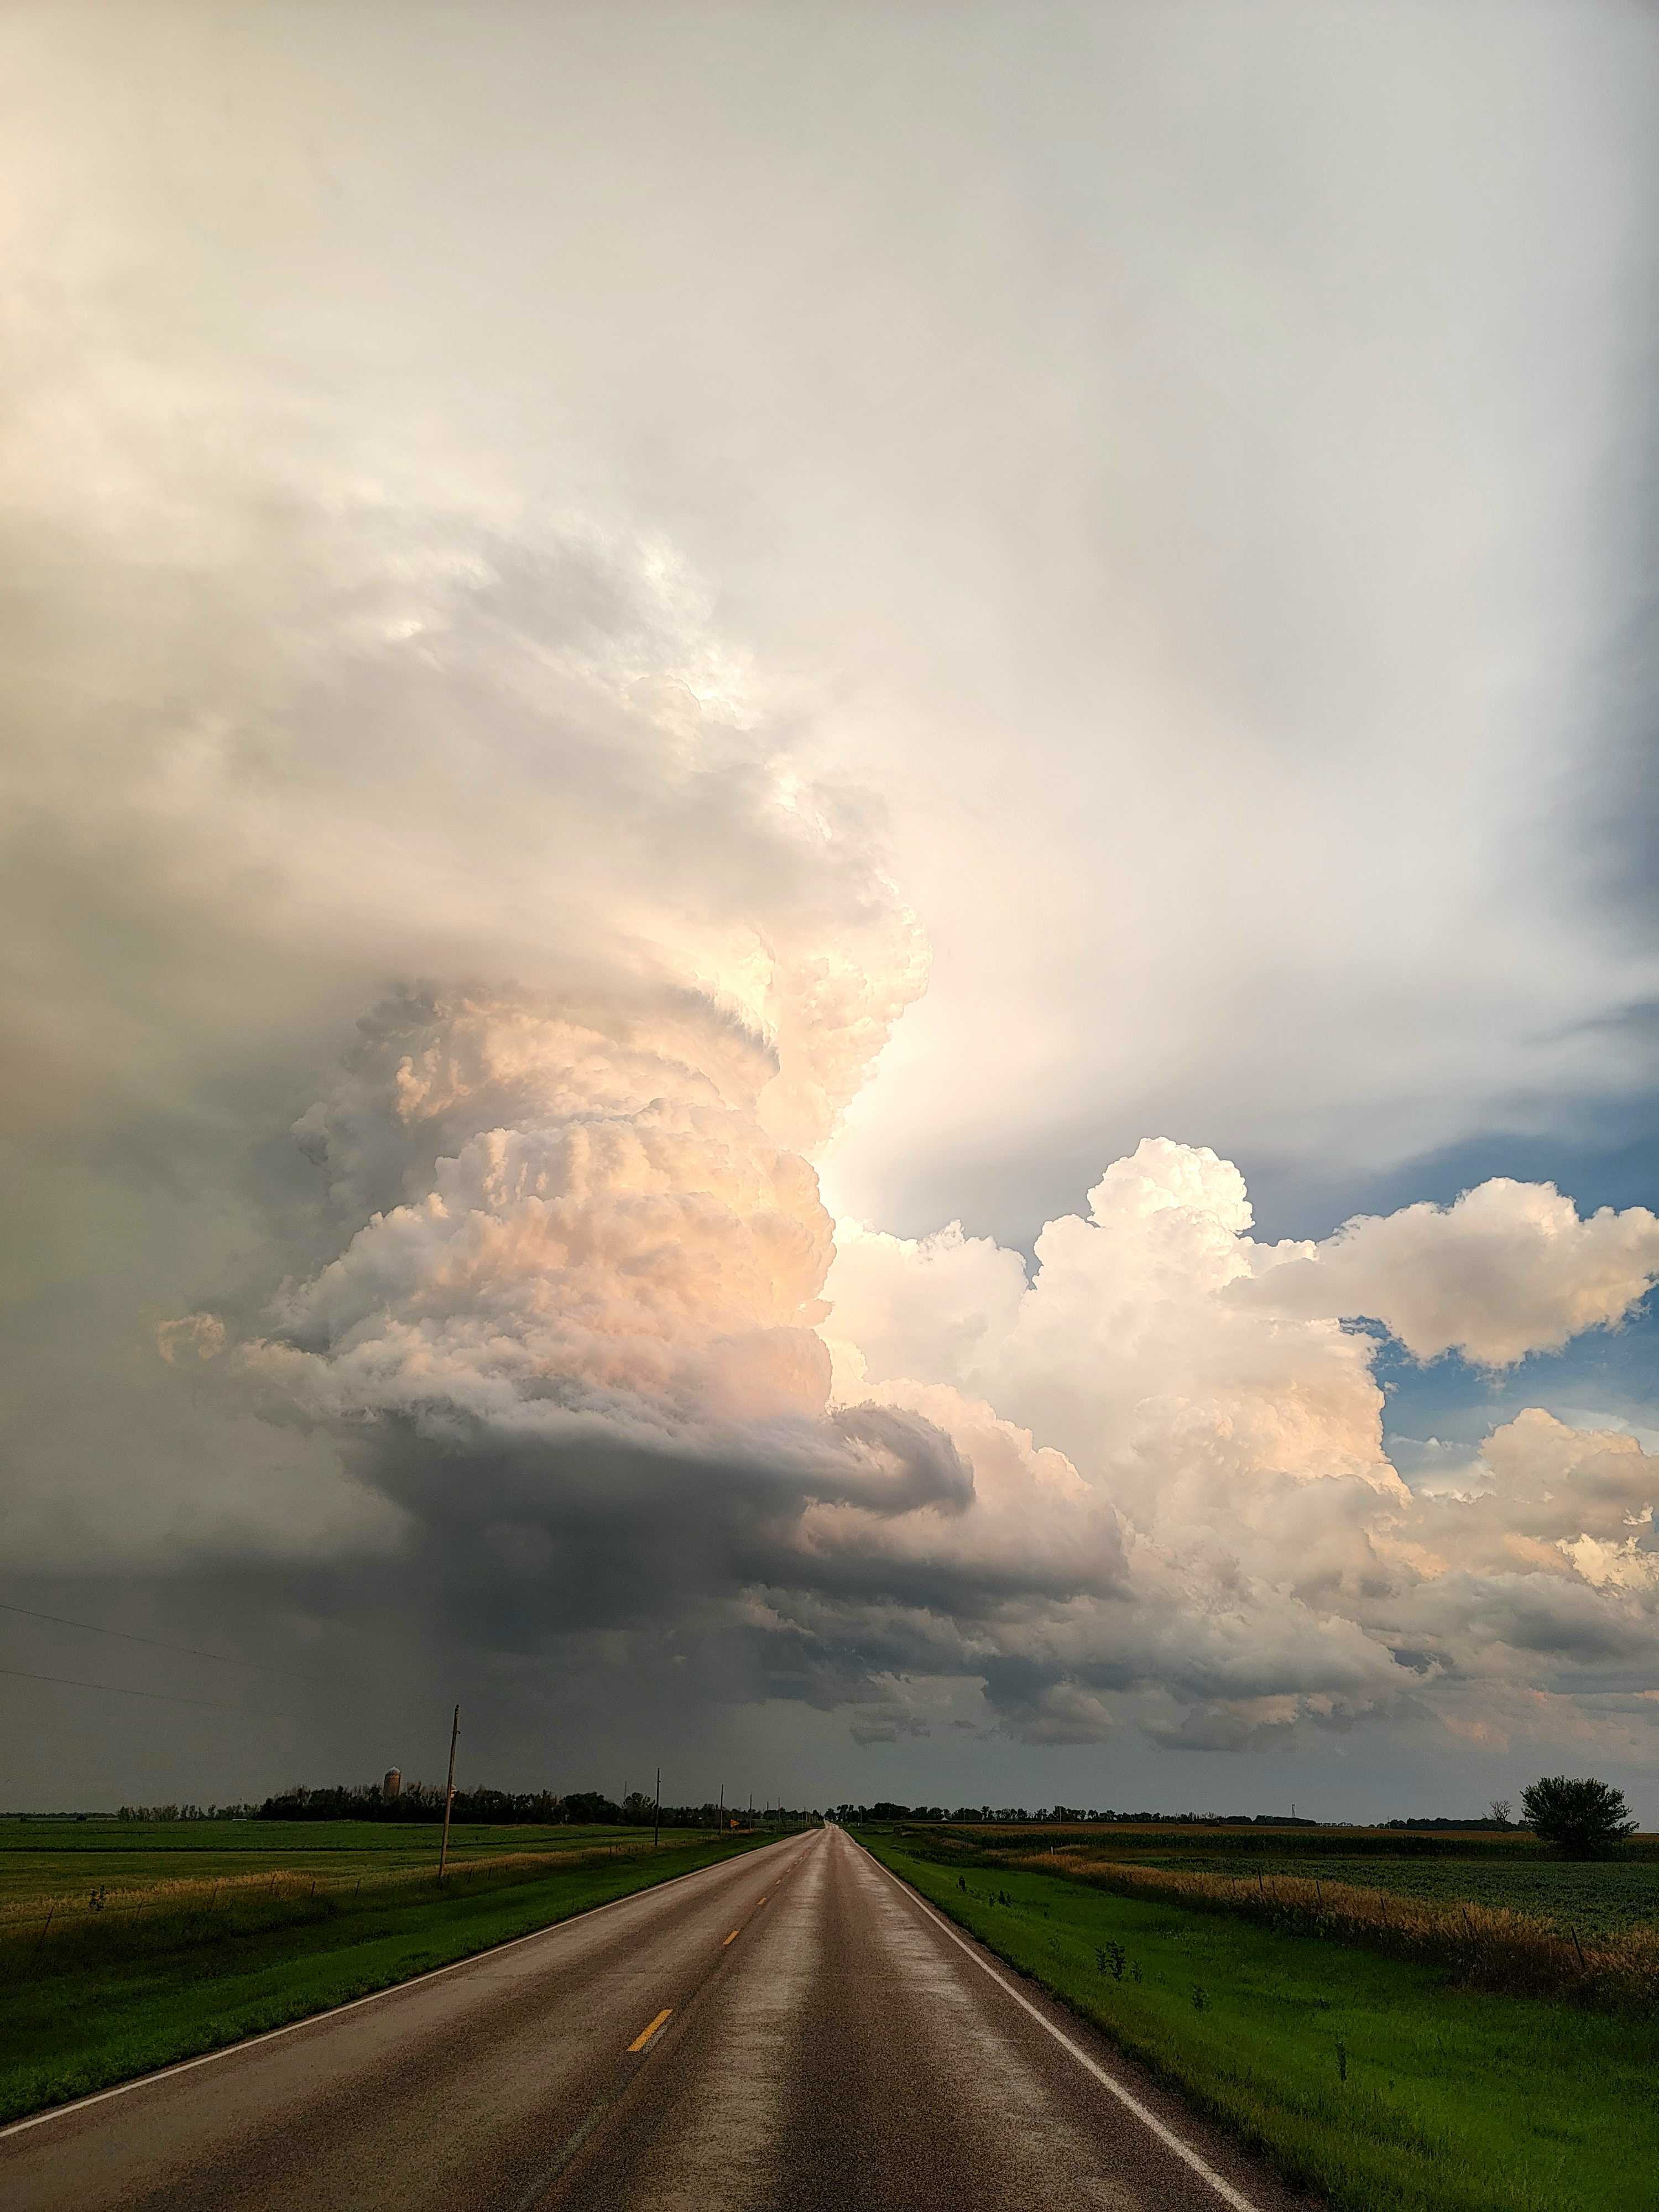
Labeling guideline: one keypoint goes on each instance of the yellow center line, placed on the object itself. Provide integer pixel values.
(731, 1938)
(646, 2035)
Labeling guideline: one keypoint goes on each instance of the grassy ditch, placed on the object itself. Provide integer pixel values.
(118, 1994)
(1482, 1946)
(1363, 2076)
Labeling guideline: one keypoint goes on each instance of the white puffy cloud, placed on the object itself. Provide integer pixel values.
(1280, 1573)
(1509, 1270)
(1128, 1335)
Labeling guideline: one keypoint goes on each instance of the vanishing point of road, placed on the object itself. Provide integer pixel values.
(790, 2031)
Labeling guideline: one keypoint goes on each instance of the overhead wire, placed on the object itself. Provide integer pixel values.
(158, 1644)
(164, 1697)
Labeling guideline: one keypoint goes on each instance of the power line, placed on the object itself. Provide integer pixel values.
(157, 1644)
(117, 1690)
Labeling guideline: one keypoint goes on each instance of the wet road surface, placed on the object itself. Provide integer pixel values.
(793, 2031)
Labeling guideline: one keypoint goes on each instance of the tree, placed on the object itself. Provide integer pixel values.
(1499, 1809)
(1584, 1819)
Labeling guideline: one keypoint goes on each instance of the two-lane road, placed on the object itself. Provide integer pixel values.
(792, 2030)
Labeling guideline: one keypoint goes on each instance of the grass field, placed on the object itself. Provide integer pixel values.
(1365, 2076)
(43, 1861)
(125, 1993)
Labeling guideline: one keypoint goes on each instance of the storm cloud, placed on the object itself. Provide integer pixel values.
(635, 747)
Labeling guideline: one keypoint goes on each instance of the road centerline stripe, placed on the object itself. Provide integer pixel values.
(646, 2035)
(731, 1938)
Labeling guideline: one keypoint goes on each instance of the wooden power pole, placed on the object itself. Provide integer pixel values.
(449, 1794)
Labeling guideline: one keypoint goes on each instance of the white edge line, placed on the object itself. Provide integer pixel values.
(335, 2012)
(1200, 2166)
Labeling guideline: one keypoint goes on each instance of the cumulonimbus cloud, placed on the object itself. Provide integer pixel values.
(1142, 1482)
(523, 1267)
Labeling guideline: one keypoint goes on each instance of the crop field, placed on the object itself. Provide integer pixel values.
(1501, 1873)
(1182, 1840)
(45, 1862)
(1604, 1898)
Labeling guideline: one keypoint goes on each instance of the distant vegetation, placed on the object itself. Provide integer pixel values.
(1055, 1816)
(1583, 1818)
(424, 1801)
(852, 1815)
(1586, 1819)
(154, 1813)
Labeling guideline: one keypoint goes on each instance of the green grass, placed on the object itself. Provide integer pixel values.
(1453, 2102)
(41, 1859)
(83, 2014)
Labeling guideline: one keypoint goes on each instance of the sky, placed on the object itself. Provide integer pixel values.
(827, 926)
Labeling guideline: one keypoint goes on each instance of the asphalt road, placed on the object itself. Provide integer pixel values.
(789, 2031)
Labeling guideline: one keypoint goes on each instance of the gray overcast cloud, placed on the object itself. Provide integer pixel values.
(717, 719)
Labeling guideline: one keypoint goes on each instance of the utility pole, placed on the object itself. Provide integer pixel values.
(656, 1812)
(722, 1808)
(449, 1794)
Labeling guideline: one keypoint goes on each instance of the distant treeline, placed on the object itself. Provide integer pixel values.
(1049, 1816)
(424, 1801)
(1497, 1827)
(184, 1813)
(1054, 1816)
